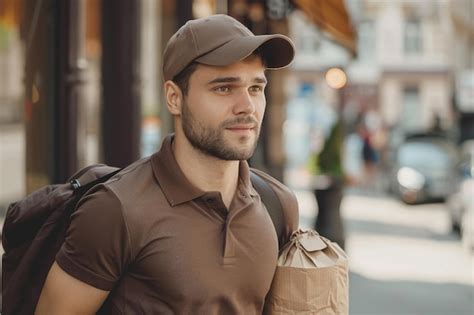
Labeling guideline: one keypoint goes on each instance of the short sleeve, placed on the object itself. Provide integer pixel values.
(97, 244)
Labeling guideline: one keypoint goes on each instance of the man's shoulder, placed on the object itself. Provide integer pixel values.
(288, 201)
(129, 195)
(284, 193)
(274, 183)
(128, 185)
(135, 175)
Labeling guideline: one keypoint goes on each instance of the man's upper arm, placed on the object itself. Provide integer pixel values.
(64, 294)
(93, 257)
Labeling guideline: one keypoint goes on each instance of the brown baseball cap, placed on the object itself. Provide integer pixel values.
(221, 40)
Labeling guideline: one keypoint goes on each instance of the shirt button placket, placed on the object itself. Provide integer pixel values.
(229, 250)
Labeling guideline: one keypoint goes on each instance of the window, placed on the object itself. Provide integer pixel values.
(308, 44)
(366, 42)
(413, 37)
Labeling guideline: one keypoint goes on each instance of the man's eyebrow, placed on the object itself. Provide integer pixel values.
(260, 80)
(224, 80)
(236, 79)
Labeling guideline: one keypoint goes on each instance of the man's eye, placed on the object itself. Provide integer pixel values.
(222, 89)
(256, 88)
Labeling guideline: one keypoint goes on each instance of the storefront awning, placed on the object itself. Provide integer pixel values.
(331, 16)
(10, 13)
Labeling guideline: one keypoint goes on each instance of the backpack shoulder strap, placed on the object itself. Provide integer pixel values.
(88, 180)
(271, 202)
(92, 175)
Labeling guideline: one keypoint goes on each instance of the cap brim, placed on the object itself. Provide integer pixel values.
(277, 50)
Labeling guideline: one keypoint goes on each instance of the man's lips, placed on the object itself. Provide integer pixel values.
(241, 127)
(242, 130)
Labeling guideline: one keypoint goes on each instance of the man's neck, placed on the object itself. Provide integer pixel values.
(206, 172)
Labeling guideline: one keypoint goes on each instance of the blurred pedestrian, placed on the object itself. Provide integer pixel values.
(330, 185)
(369, 129)
(184, 231)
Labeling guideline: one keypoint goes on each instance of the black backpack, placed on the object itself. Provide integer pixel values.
(35, 227)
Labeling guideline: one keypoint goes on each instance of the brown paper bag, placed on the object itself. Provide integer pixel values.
(311, 277)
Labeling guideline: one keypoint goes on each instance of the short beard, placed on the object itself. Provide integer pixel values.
(211, 141)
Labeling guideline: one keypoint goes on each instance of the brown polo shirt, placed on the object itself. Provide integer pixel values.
(163, 246)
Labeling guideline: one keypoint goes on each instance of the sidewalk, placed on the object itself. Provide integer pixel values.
(404, 259)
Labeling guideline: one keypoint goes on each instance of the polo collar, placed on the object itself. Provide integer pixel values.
(245, 184)
(174, 184)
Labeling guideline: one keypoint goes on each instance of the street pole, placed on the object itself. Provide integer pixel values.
(70, 85)
(120, 82)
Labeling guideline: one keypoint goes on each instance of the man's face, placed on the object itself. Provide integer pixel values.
(223, 111)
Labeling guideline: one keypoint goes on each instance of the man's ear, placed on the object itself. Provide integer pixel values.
(174, 97)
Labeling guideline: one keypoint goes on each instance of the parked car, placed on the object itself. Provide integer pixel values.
(424, 169)
(461, 202)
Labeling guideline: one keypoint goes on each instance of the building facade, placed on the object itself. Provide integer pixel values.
(412, 52)
(410, 56)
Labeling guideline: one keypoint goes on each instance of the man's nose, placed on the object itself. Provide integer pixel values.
(245, 104)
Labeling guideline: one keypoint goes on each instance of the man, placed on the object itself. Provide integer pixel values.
(184, 231)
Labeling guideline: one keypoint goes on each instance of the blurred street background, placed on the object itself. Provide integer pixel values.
(372, 125)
